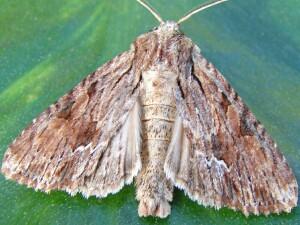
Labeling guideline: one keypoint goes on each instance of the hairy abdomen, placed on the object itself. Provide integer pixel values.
(154, 191)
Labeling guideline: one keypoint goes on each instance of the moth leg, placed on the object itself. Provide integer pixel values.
(154, 190)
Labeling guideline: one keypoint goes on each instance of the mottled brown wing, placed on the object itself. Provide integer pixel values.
(81, 143)
(221, 155)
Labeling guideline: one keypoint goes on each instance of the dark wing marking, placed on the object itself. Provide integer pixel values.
(226, 157)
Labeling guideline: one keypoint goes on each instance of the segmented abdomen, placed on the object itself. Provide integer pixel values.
(158, 115)
(154, 190)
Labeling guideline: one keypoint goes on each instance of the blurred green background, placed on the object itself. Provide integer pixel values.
(46, 47)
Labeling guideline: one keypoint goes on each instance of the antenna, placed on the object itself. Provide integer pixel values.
(200, 8)
(151, 10)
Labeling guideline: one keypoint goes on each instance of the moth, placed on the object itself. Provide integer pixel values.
(161, 114)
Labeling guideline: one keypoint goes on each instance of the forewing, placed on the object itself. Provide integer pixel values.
(82, 142)
(225, 157)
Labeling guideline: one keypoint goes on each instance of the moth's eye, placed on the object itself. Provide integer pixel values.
(155, 28)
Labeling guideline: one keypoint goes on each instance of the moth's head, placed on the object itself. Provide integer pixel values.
(168, 27)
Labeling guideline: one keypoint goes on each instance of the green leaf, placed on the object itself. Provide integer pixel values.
(46, 47)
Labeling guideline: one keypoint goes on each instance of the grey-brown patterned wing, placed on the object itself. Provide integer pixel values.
(221, 155)
(82, 142)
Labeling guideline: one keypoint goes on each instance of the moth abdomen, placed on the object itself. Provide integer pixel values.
(154, 190)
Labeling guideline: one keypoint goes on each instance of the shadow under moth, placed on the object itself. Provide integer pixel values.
(164, 115)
